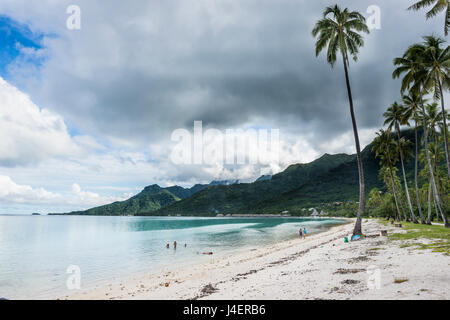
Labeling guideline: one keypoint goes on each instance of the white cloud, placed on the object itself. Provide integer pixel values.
(29, 133)
(12, 192)
(345, 143)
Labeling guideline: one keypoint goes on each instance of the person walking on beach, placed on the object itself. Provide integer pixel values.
(300, 233)
(304, 233)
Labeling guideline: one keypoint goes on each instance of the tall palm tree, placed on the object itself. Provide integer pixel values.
(393, 118)
(339, 30)
(438, 7)
(436, 64)
(386, 149)
(415, 75)
(434, 118)
(411, 103)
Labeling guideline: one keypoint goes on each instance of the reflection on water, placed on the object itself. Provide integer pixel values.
(35, 251)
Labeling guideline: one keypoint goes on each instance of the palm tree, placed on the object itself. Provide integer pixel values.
(438, 6)
(434, 118)
(411, 103)
(386, 149)
(434, 155)
(415, 75)
(436, 64)
(339, 30)
(393, 118)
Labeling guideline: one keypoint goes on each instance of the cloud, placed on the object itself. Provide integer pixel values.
(14, 193)
(28, 133)
(157, 66)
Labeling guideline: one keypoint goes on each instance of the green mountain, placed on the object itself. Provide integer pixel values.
(150, 199)
(331, 178)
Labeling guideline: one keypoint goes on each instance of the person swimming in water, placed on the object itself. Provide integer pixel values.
(167, 246)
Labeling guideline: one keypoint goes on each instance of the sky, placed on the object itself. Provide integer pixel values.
(87, 116)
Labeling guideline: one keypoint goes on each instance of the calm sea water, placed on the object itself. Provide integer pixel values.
(35, 251)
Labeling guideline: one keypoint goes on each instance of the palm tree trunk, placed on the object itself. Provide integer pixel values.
(395, 193)
(436, 210)
(358, 229)
(416, 175)
(429, 203)
(445, 128)
(433, 183)
(411, 211)
(436, 168)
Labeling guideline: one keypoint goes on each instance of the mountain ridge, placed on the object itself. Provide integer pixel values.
(329, 178)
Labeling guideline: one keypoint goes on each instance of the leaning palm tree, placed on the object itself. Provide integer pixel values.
(393, 118)
(436, 64)
(411, 64)
(411, 103)
(339, 31)
(438, 7)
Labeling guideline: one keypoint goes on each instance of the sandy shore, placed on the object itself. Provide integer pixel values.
(319, 267)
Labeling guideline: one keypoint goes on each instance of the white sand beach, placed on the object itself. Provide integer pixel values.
(321, 266)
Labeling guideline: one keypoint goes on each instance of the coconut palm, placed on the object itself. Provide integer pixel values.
(434, 118)
(393, 118)
(435, 155)
(411, 103)
(386, 149)
(436, 64)
(411, 65)
(438, 7)
(386, 175)
(339, 31)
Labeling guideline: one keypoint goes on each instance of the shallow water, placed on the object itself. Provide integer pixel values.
(35, 251)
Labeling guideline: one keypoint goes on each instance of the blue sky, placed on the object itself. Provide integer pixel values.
(13, 35)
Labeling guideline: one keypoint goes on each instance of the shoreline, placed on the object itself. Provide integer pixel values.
(320, 267)
(103, 291)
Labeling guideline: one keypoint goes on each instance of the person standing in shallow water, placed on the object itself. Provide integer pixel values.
(174, 244)
(304, 233)
(300, 233)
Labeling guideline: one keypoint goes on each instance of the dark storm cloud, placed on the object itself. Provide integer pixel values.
(136, 73)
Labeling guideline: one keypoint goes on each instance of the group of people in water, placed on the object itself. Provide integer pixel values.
(175, 245)
(302, 233)
(185, 245)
